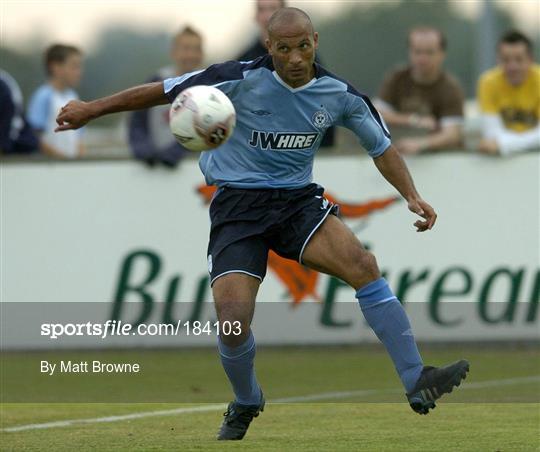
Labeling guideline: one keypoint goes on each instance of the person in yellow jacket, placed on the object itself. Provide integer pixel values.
(509, 99)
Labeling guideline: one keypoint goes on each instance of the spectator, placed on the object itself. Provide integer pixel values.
(16, 136)
(63, 64)
(422, 100)
(265, 9)
(509, 98)
(149, 136)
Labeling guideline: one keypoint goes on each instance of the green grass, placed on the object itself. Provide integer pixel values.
(494, 417)
(196, 376)
(304, 427)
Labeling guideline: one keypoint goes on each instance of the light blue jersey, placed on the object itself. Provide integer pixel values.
(44, 106)
(279, 128)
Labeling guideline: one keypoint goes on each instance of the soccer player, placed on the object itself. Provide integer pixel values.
(266, 200)
(264, 10)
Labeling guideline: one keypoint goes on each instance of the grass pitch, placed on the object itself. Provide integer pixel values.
(360, 405)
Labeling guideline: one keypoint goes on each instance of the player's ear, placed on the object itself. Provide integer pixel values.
(268, 45)
(315, 39)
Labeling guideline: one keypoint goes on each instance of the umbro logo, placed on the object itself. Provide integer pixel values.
(325, 202)
(261, 112)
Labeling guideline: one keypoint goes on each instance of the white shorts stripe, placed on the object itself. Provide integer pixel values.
(330, 208)
(235, 271)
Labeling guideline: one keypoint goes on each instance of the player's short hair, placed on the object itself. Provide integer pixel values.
(188, 30)
(59, 53)
(516, 37)
(426, 28)
(286, 15)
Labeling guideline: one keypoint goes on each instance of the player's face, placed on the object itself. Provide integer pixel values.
(69, 71)
(515, 62)
(425, 53)
(293, 53)
(265, 9)
(187, 53)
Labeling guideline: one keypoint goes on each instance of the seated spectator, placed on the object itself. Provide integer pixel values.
(63, 64)
(263, 12)
(422, 102)
(150, 138)
(16, 136)
(509, 99)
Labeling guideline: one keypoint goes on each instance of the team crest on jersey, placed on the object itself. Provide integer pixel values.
(321, 119)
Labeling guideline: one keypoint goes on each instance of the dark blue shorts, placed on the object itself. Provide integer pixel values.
(247, 223)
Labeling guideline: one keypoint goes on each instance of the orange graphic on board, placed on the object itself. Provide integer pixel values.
(299, 280)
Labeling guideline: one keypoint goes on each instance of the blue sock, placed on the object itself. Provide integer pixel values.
(238, 365)
(388, 319)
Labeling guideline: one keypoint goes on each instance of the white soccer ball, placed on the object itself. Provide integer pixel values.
(202, 118)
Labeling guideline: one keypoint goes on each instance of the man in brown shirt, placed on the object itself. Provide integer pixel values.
(422, 101)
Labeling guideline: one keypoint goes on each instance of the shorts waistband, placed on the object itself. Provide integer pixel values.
(276, 192)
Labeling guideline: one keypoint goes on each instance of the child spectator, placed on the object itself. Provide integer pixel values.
(63, 64)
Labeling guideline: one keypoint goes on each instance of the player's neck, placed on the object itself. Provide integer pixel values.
(298, 83)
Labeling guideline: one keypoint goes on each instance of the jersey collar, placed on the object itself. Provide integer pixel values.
(291, 89)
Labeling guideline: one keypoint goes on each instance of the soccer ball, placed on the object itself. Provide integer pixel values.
(202, 118)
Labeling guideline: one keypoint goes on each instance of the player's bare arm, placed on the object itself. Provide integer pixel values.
(395, 171)
(77, 113)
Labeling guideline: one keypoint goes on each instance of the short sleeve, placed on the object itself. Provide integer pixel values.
(362, 118)
(38, 109)
(218, 75)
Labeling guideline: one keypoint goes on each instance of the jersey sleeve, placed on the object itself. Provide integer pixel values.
(223, 76)
(362, 118)
(38, 109)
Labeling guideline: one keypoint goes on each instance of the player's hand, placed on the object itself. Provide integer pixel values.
(74, 115)
(422, 208)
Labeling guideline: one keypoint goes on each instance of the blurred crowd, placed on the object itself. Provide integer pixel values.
(422, 104)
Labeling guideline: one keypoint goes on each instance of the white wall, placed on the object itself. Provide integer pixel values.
(67, 228)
